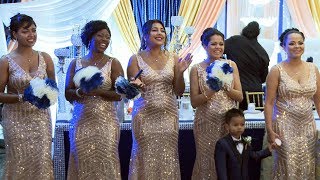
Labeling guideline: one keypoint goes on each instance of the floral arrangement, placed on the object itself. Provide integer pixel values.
(247, 140)
(219, 73)
(41, 92)
(88, 78)
(126, 89)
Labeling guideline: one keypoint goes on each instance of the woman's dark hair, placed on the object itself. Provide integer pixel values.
(207, 33)
(146, 28)
(18, 21)
(91, 28)
(251, 31)
(284, 36)
(233, 113)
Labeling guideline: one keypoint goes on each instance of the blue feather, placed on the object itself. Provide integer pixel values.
(214, 83)
(40, 102)
(209, 68)
(51, 83)
(226, 68)
(94, 82)
(124, 87)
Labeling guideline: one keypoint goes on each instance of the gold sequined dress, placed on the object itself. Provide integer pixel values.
(155, 126)
(293, 120)
(27, 129)
(208, 128)
(94, 136)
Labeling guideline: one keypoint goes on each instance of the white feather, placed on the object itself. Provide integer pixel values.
(40, 88)
(86, 73)
(216, 71)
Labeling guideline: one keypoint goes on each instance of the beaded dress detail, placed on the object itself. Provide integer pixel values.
(293, 120)
(155, 126)
(27, 129)
(94, 135)
(208, 128)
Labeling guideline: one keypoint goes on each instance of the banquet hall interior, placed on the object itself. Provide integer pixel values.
(59, 24)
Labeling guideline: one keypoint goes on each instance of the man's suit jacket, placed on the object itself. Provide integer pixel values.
(230, 164)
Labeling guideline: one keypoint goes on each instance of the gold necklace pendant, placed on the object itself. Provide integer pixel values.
(98, 62)
(29, 59)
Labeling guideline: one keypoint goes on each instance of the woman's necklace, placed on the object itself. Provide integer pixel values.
(29, 59)
(99, 61)
(158, 59)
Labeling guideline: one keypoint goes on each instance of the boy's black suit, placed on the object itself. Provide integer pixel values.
(230, 164)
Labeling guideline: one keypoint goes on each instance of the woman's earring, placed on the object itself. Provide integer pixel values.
(110, 45)
(89, 44)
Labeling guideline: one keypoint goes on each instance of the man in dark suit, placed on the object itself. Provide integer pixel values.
(233, 151)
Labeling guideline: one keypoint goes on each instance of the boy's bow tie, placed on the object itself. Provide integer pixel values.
(237, 142)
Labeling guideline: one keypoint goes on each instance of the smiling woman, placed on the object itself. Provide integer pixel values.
(95, 133)
(293, 86)
(210, 105)
(155, 114)
(27, 129)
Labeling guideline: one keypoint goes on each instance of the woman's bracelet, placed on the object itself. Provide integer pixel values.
(20, 97)
(77, 93)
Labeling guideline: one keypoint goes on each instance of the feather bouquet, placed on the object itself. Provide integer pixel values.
(126, 89)
(41, 92)
(88, 78)
(218, 74)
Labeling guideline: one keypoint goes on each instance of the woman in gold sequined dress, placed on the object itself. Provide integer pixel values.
(155, 115)
(95, 131)
(292, 87)
(210, 106)
(27, 129)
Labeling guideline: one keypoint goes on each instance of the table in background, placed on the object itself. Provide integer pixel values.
(186, 147)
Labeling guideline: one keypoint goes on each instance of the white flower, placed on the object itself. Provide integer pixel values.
(86, 73)
(247, 140)
(216, 71)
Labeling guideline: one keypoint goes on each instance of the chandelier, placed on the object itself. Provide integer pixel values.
(176, 22)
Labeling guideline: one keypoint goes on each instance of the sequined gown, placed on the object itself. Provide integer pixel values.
(155, 126)
(94, 136)
(293, 120)
(27, 130)
(208, 128)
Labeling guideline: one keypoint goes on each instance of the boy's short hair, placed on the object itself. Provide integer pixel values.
(233, 113)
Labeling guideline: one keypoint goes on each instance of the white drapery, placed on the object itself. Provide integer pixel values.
(55, 19)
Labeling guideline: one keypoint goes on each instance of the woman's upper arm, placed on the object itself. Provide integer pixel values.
(316, 96)
(133, 67)
(116, 70)
(4, 73)
(194, 83)
(50, 65)
(236, 77)
(272, 84)
(70, 75)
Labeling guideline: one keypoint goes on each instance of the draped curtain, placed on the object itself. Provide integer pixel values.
(124, 18)
(302, 16)
(207, 16)
(8, 1)
(315, 11)
(237, 17)
(154, 9)
(55, 19)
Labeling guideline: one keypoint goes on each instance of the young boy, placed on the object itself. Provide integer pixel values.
(233, 151)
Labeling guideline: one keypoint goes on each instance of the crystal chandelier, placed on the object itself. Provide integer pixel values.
(76, 40)
(177, 21)
(62, 53)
